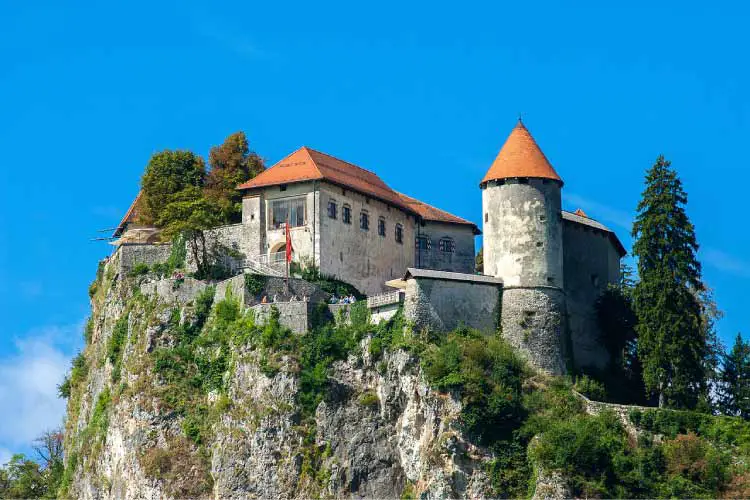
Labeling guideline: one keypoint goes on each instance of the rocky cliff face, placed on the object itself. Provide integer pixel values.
(149, 417)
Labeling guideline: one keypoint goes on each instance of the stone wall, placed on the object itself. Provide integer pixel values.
(533, 321)
(461, 260)
(293, 315)
(523, 232)
(131, 254)
(363, 257)
(591, 263)
(443, 304)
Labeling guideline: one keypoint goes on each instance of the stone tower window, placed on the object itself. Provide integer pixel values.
(332, 208)
(486, 217)
(381, 226)
(346, 214)
(399, 233)
(364, 220)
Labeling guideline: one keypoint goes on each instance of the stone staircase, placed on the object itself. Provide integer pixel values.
(268, 265)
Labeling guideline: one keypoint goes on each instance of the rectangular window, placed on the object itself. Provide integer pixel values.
(346, 214)
(364, 221)
(291, 209)
(447, 245)
(332, 209)
(399, 233)
(422, 242)
(381, 227)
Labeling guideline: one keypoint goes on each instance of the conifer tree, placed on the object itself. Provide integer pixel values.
(734, 393)
(671, 338)
(231, 163)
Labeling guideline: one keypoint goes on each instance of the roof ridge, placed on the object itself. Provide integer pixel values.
(339, 159)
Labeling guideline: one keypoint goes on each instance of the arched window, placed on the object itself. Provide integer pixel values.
(447, 245)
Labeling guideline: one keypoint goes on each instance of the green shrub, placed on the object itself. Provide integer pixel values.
(139, 269)
(88, 331)
(254, 284)
(369, 399)
(488, 376)
(590, 388)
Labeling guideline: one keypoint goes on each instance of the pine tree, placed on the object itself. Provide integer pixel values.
(232, 163)
(734, 393)
(671, 338)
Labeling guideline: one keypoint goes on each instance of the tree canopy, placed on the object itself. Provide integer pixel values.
(672, 344)
(167, 174)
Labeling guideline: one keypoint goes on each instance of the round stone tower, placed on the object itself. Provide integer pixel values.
(523, 245)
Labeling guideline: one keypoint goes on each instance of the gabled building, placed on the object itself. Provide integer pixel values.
(349, 223)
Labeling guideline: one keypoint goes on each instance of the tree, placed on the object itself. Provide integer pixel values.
(167, 174)
(24, 478)
(734, 388)
(232, 163)
(189, 214)
(671, 341)
(479, 261)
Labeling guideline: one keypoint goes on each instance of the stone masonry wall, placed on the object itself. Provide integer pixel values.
(533, 321)
(460, 261)
(591, 263)
(443, 305)
(293, 315)
(132, 254)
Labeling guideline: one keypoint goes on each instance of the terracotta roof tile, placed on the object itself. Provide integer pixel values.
(585, 220)
(130, 216)
(430, 213)
(520, 156)
(579, 211)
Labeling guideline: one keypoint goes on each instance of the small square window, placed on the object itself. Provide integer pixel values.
(282, 187)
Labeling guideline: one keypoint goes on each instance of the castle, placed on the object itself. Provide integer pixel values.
(544, 267)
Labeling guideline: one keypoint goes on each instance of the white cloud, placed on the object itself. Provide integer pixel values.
(726, 262)
(600, 211)
(5, 456)
(28, 384)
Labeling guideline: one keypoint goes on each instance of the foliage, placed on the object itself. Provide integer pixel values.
(369, 399)
(329, 284)
(186, 474)
(22, 477)
(78, 372)
(167, 174)
(479, 261)
(232, 163)
(734, 392)
(139, 269)
(88, 330)
(672, 344)
(591, 388)
(487, 374)
(255, 283)
(116, 344)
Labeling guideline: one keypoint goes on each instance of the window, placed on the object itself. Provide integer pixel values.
(447, 245)
(486, 217)
(346, 214)
(381, 227)
(422, 243)
(399, 233)
(364, 220)
(291, 209)
(282, 187)
(332, 208)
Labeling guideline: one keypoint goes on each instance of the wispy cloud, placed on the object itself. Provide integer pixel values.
(726, 262)
(28, 384)
(600, 211)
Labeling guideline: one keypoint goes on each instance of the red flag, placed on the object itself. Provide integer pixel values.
(288, 243)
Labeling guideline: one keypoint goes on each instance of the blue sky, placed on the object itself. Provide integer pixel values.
(423, 94)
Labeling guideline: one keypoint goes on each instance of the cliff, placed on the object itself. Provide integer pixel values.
(179, 394)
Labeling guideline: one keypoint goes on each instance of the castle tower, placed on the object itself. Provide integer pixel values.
(522, 227)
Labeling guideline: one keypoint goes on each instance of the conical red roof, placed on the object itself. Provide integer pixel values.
(520, 156)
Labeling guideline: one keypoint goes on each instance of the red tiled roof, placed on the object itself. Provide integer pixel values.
(430, 213)
(306, 164)
(520, 156)
(580, 212)
(130, 216)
